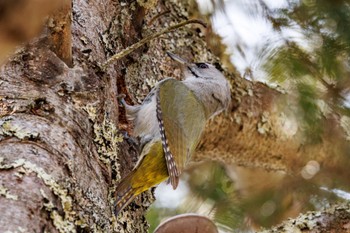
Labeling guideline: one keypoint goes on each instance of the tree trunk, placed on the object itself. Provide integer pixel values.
(61, 153)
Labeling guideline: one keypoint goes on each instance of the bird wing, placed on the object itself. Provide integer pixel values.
(181, 119)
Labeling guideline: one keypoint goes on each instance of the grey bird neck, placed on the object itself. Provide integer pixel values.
(213, 93)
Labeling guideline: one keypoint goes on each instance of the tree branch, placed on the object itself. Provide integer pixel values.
(333, 219)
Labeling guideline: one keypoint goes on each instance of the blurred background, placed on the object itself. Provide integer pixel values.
(298, 47)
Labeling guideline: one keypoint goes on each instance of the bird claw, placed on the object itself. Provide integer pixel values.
(120, 98)
(131, 140)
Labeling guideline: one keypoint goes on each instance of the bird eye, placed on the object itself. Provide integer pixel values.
(202, 65)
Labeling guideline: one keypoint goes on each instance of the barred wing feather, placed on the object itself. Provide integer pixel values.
(181, 119)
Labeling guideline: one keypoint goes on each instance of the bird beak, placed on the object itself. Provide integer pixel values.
(178, 59)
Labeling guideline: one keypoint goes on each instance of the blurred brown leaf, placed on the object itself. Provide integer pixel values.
(21, 20)
(187, 223)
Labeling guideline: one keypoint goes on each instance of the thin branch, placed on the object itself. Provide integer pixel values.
(137, 45)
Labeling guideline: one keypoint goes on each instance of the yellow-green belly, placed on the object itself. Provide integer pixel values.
(151, 171)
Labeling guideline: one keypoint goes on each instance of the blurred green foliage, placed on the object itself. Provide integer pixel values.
(210, 183)
(262, 202)
(317, 64)
(211, 188)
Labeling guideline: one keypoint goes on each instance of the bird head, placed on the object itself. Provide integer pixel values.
(200, 70)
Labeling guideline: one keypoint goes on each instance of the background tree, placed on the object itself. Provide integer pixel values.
(61, 151)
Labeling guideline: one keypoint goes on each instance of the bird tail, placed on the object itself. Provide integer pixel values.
(124, 194)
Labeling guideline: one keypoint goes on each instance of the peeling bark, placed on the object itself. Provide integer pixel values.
(60, 33)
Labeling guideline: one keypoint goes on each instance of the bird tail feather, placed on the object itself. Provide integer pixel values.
(125, 193)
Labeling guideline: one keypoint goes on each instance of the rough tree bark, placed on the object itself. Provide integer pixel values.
(61, 153)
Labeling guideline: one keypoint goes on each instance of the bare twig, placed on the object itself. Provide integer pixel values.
(137, 45)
